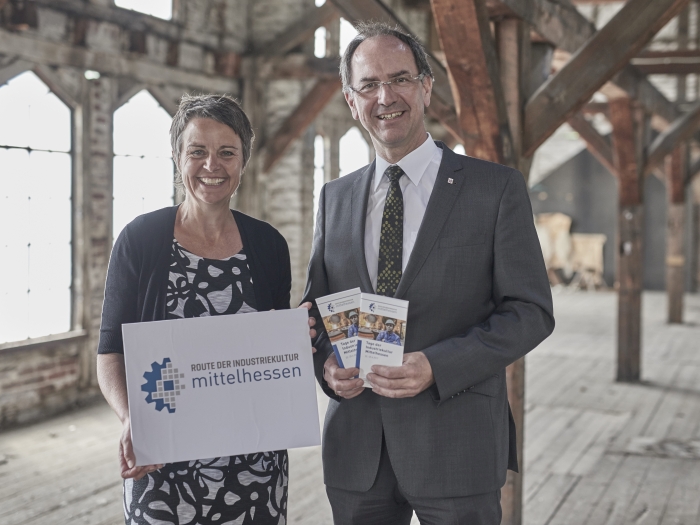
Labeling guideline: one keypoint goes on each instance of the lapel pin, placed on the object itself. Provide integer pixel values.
(450, 181)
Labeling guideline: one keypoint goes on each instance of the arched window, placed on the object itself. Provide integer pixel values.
(160, 8)
(354, 151)
(143, 168)
(35, 210)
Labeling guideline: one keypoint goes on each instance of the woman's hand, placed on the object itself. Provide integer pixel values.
(127, 459)
(312, 323)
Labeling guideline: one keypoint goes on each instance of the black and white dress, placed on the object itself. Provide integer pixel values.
(240, 490)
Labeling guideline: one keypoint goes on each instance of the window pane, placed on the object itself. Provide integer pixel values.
(320, 42)
(141, 185)
(35, 211)
(143, 169)
(347, 33)
(354, 151)
(319, 170)
(142, 127)
(32, 116)
(160, 8)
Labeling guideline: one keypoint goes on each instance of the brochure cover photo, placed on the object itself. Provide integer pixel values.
(341, 316)
(382, 332)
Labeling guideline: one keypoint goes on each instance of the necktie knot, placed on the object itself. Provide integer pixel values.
(394, 173)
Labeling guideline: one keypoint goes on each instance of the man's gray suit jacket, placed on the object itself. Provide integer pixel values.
(479, 299)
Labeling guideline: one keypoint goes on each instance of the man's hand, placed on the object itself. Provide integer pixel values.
(127, 459)
(312, 323)
(407, 380)
(341, 379)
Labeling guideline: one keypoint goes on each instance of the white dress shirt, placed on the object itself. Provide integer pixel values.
(421, 168)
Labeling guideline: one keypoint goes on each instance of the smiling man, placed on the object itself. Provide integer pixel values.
(454, 236)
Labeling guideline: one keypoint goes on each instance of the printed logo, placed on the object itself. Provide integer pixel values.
(163, 385)
(330, 307)
(371, 307)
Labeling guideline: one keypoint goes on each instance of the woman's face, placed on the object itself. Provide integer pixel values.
(211, 161)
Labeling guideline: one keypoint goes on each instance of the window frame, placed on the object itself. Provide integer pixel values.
(76, 328)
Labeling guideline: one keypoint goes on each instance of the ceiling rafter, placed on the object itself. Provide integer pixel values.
(593, 65)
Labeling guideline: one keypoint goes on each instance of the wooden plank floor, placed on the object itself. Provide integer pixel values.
(596, 453)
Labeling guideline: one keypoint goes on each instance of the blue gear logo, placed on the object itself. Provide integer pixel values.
(371, 307)
(163, 385)
(330, 307)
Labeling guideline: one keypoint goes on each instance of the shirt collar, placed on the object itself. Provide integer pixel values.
(414, 164)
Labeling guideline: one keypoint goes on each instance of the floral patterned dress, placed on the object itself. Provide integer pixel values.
(241, 490)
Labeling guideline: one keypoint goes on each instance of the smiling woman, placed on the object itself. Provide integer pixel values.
(193, 260)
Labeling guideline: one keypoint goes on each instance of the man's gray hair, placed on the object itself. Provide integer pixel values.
(371, 29)
(221, 108)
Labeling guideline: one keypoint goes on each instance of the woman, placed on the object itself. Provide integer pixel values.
(196, 259)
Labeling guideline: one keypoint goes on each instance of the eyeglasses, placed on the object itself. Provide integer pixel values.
(402, 84)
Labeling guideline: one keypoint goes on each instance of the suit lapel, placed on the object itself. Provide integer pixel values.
(447, 186)
(360, 194)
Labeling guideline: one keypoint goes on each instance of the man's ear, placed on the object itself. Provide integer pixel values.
(350, 99)
(427, 90)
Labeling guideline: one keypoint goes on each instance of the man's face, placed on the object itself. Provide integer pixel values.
(393, 120)
(389, 328)
(353, 318)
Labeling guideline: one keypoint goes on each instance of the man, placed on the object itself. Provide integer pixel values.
(387, 335)
(352, 331)
(455, 237)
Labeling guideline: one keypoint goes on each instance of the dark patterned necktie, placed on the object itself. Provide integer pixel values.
(391, 238)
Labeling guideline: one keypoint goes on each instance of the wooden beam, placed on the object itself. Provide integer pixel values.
(675, 221)
(682, 129)
(665, 67)
(637, 87)
(298, 66)
(564, 26)
(594, 64)
(57, 54)
(557, 22)
(446, 116)
(465, 36)
(670, 54)
(597, 145)
(295, 125)
(131, 20)
(355, 11)
(630, 234)
(301, 30)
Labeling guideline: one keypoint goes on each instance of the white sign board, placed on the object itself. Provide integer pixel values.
(220, 386)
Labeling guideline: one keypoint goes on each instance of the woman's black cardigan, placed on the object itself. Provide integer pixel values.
(137, 278)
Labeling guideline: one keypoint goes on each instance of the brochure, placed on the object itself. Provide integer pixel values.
(341, 313)
(382, 332)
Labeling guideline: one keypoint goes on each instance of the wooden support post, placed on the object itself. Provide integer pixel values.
(676, 164)
(509, 37)
(465, 37)
(627, 139)
(694, 247)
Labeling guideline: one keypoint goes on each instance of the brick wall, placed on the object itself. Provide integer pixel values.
(40, 379)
